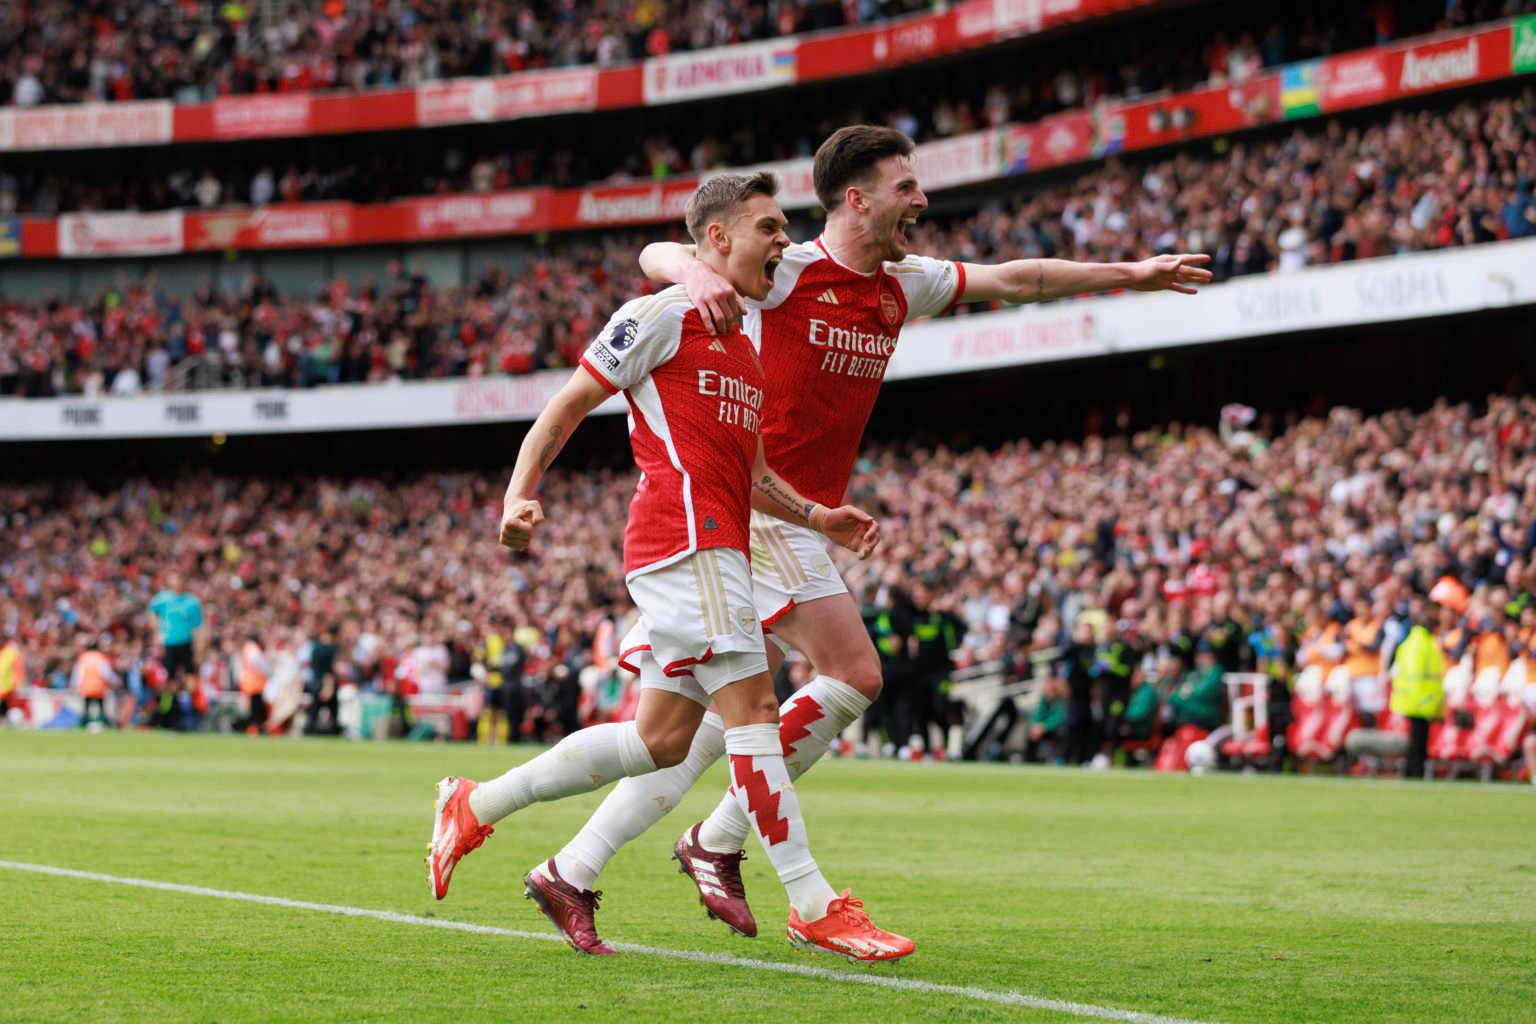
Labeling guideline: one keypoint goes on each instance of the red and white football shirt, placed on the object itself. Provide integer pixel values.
(826, 333)
(695, 402)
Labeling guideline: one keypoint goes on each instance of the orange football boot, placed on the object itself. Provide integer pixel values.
(847, 931)
(455, 832)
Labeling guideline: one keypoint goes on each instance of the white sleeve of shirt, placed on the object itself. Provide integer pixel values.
(642, 335)
(931, 286)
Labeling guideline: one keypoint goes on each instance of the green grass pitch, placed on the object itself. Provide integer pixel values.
(1223, 898)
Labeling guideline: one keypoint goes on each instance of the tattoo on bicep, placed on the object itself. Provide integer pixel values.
(549, 451)
(782, 498)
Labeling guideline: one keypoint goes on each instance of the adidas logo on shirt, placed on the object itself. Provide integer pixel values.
(828, 296)
(717, 346)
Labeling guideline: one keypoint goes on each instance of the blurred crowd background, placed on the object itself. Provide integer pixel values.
(1105, 544)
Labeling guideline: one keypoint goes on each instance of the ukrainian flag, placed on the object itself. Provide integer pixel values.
(1298, 90)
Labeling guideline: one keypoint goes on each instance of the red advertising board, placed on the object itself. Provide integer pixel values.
(462, 216)
(1448, 63)
(1054, 142)
(1211, 110)
(298, 225)
(1352, 80)
(507, 97)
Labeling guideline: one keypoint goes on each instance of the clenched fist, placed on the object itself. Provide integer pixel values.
(517, 523)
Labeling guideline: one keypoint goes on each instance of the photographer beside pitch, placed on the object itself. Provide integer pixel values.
(695, 409)
(825, 332)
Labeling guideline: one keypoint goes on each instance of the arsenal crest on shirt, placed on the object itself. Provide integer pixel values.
(890, 309)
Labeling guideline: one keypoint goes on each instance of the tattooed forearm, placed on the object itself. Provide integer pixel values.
(549, 451)
(775, 492)
(1039, 280)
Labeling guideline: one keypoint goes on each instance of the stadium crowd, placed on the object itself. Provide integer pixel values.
(1419, 180)
(67, 51)
(134, 337)
(991, 90)
(1156, 559)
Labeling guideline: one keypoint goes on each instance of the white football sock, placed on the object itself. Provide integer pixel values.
(585, 760)
(635, 805)
(761, 784)
(814, 716)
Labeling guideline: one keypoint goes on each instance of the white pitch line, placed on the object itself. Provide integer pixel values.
(693, 956)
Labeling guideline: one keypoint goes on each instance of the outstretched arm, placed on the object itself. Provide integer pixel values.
(520, 510)
(674, 263)
(846, 526)
(1022, 281)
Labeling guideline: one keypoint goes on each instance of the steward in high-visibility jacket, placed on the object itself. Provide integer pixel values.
(1418, 676)
(254, 668)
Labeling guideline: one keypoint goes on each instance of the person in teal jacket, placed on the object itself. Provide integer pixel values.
(1047, 727)
(1141, 710)
(1200, 699)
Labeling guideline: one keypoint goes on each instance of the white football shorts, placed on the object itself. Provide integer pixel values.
(790, 566)
(698, 629)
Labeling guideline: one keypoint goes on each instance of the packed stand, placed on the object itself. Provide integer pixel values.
(1129, 572)
(299, 586)
(993, 90)
(134, 337)
(1418, 181)
(65, 51)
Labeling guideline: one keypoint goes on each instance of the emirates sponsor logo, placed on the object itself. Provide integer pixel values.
(850, 339)
(1441, 69)
(741, 403)
(717, 385)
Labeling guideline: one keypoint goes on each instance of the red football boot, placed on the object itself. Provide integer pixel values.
(571, 910)
(718, 878)
(455, 832)
(847, 931)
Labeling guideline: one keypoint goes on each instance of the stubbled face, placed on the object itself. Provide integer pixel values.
(895, 201)
(753, 246)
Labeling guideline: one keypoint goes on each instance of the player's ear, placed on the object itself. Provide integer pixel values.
(854, 197)
(719, 237)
